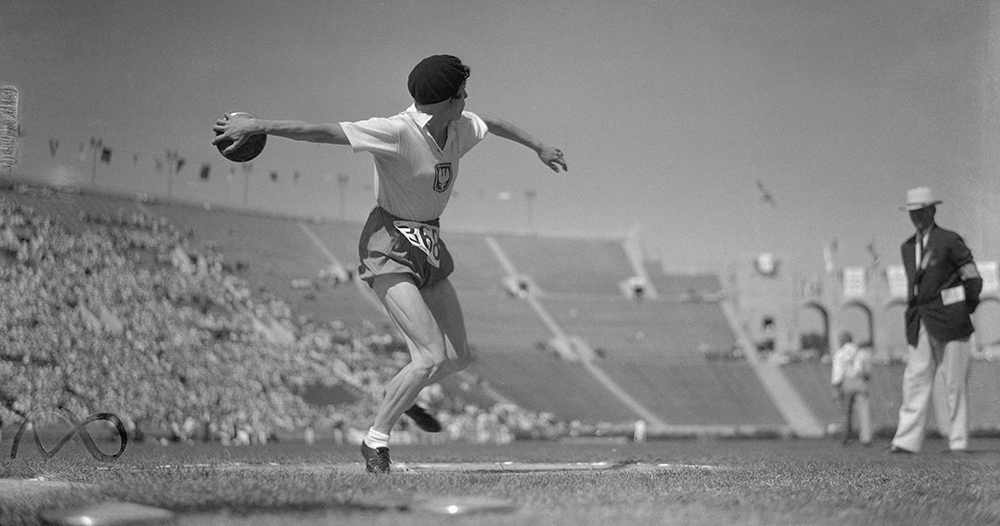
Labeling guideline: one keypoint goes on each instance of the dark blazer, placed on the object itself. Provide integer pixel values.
(945, 253)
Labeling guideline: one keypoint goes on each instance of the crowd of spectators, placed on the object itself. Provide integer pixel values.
(125, 318)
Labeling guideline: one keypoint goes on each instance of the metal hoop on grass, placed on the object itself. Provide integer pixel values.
(79, 428)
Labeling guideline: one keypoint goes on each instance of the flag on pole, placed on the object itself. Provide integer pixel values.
(855, 282)
(828, 252)
(873, 254)
(765, 195)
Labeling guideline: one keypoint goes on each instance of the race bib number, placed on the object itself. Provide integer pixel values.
(423, 236)
(953, 295)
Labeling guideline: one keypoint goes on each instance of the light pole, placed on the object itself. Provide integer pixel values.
(342, 180)
(529, 196)
(95, 148)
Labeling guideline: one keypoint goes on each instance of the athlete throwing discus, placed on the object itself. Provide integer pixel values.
(403, 258)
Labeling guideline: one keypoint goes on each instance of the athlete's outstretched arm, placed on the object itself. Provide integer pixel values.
(552, 157)
(238, 130)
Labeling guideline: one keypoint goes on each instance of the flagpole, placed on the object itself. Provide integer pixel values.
(94, 145)
(246, 188)
(171, 170)
(342, 180)
(529, 197)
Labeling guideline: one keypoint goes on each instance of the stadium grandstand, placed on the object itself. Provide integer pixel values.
(572, 327)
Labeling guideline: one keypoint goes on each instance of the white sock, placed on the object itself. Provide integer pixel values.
(376, 439)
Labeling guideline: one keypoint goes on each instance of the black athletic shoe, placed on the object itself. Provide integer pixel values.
(423, 419)
(376, 460)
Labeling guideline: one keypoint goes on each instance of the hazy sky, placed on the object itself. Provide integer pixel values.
(669, 112)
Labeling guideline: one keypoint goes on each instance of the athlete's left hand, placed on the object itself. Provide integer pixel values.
(553, 158)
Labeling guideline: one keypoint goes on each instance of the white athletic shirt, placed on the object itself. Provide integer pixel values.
(413, 176)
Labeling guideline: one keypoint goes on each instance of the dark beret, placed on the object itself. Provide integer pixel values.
(437, 79)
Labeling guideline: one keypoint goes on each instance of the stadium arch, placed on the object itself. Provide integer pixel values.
(824, 315)
(869, 319)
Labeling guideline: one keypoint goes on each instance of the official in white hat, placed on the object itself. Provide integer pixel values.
(943, 291)
(919, 197)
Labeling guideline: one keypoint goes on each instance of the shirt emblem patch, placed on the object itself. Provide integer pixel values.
(442, 177)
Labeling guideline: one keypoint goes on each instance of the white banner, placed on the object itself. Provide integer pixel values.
(895, 275)
(812, 289)
(854, 282)
(988, 271)
(8, 126)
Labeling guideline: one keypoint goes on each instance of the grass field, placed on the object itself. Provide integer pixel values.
(699, 482)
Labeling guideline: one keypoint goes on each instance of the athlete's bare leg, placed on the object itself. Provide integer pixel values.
(432, 324)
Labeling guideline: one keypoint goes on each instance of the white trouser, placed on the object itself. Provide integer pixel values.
(941, 368)
(858, 408)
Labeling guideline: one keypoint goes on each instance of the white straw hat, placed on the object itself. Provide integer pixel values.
(917, 198)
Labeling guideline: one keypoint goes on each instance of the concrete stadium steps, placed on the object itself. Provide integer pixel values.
(541, 381)
(343, 303)
(341, 238)
(508, 347)
(681, 285)
(496, 320)
(654, 350)
(476, 269)
(649, 329)
(709, 393)
(579, 266)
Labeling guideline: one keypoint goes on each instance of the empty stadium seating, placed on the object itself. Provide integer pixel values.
(569, 265)
(682, 286)
(658, 351)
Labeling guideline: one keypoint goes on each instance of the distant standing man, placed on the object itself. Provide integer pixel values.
(943, 291)
(850, 374)
(403, 257)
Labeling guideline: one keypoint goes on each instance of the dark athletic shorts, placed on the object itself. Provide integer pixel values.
(392, 245)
